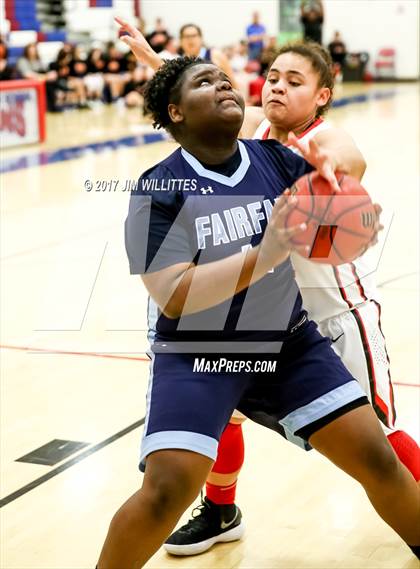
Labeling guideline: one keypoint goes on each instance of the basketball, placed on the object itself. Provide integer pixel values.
(339, 226)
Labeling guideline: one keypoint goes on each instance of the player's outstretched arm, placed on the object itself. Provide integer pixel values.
(321, 159)
(186, 289)
(138, 44)
(342, 150)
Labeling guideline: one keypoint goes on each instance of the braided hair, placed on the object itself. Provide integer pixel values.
(164, 88)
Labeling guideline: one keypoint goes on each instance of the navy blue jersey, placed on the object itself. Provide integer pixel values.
(184, 212)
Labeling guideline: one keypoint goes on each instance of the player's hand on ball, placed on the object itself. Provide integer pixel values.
(138, 44)
(378, 225)
(277, 242)
(377, 228)
(320, 158)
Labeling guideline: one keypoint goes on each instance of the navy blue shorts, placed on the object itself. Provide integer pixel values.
(295, 392)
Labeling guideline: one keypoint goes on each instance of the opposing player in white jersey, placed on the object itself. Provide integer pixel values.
(343, 300)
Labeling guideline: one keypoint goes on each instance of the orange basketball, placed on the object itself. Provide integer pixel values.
(339, 225)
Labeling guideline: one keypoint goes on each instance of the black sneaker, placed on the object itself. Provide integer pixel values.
(210, 524)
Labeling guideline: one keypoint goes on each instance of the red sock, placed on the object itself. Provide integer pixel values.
(408, 451)
(230, 458)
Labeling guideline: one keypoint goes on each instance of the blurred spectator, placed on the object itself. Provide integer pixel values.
(192, 45)
(133, 89)
(61, 67)
(70, 89)
(78, 63)
(158, 38)
(256, 87)
(94, 80)
(170, 49)
(141, 25)
(96, 61)
(337, 49)
(312, 18)
(239, 58)
(115, 62)
(115, 72)
(130, 61)
(29, 66)
(7, 72)
(255, 33)
(269, 53)
(67, 47)
(228, 50)
(78, 72)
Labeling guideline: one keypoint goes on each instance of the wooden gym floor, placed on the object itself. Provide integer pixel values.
(74, 368)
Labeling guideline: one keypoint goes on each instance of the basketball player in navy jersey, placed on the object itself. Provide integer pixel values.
(205, 230)
(307, 89)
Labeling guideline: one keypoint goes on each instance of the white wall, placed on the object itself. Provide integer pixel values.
(99, 22)
(368, 25)
(223, 22)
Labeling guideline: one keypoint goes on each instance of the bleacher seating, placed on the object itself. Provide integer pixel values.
(14, 54)
(48, 19)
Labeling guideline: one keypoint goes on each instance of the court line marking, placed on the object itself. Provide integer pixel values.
(50, 244)
(76, 152)
(44, 158)
(66, 465)
(117, 356)
(70, 153)
(88, 302)
(95, 448)
(393, 279)
(34, 350)
(405, 384)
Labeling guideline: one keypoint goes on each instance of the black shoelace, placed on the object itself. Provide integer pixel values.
(199, 516)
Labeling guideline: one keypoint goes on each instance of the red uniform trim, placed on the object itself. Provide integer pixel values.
(340, 287)
(301, 135)
(266, 134)
(391, 387)
(381, 409)
(377, 401)
(358, 282)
